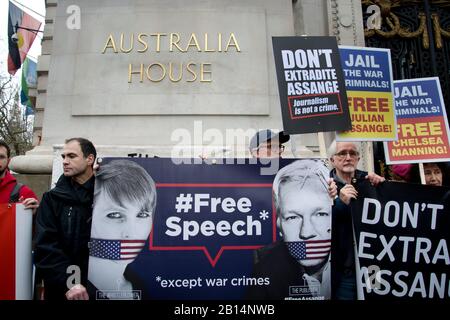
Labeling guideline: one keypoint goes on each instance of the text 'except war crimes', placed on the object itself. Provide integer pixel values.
(212, 282)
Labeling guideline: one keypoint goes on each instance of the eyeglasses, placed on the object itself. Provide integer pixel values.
(343, 154)
(272, 148)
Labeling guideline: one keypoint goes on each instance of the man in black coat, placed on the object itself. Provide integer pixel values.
(344, 156)
(64, 224)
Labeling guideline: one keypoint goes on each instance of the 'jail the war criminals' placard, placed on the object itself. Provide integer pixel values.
(369, 84)
(422, 123)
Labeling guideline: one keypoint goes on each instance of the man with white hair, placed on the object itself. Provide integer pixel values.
(344, 157)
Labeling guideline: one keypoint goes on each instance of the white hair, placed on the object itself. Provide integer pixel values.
(301, 171)
(333, 147)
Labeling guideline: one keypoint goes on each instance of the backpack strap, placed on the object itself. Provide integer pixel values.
(15, 193)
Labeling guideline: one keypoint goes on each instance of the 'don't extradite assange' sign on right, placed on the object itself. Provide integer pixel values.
(402, 233)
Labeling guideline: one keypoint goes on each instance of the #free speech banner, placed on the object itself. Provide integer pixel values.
(402, 235)
(369, 84)
(310, 84)
(208, 225)
(422, 123)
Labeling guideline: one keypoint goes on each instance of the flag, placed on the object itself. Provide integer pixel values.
(29, 79)
(309, 249)
(15, 252)
(18, 49)
(115, 249)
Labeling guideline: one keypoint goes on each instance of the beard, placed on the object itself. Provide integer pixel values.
(2, 172)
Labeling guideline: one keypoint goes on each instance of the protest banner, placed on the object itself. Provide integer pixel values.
(310, 84)
(402, 233)
(422, 123)
(369, 84)
(15, 250)
(199, 231)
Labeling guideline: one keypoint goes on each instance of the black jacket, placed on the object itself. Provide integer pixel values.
(63, 228)
(342, 249)
(275, 263)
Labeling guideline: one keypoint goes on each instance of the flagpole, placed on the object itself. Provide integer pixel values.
(25, 122)
(17, 54)
(20, 4)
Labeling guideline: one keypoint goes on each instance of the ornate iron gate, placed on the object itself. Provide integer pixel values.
(418, 34)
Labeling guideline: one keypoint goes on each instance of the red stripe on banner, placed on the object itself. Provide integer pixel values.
(131, 251)
(7, 252)
(135, 248)
(316, 251)
(317, 247)
(317, 241)
(314, 258)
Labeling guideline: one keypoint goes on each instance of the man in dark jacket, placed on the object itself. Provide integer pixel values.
(344, 157)
(64, 225)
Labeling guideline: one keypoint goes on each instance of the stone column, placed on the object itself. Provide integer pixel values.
(346, 22)
(39, 159)
(347, 25)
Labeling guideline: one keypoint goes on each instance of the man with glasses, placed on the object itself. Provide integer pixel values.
(268, 144)
(344, 157)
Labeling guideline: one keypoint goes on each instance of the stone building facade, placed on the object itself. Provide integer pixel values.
(90, 85)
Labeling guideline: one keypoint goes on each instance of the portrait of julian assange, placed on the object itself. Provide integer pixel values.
(298, 265)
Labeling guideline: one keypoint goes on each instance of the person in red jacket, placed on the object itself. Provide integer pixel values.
(8, 183)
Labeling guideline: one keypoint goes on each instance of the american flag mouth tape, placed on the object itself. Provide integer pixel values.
(309, 249)
(115, 249)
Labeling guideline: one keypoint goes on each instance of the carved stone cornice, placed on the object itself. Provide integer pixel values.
(345, 21)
